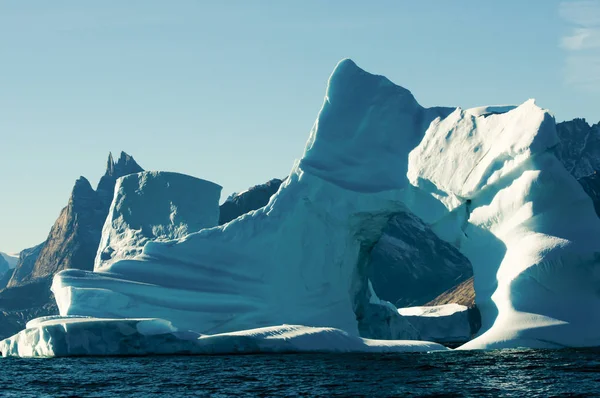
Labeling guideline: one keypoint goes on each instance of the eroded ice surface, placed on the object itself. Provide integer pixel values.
(154, 205)
(523, 221)
(69, 336)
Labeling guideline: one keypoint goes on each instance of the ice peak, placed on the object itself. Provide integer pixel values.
(365, 126)
(348, 73)
(346, 64)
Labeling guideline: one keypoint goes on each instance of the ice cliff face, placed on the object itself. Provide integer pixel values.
(524, 222)
(148, 206)
(155, 206)
(579, 152)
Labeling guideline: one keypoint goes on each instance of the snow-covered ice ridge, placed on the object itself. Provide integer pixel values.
(486, 180)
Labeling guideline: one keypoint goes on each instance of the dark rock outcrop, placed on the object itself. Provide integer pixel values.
(462, 293)
(74, 237)
(4, 268)
(72, 243)
(5, 278)
(410, 265)
(252, 199)
(114, 170)
(13, 321)
(26, 262)
(579, 148)
(591, 186)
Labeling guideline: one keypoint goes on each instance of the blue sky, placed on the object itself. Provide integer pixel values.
(228, 90)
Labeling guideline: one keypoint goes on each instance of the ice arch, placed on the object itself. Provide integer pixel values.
(485, 179)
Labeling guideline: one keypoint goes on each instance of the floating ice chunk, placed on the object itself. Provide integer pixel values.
(70, 336)
(447, 323)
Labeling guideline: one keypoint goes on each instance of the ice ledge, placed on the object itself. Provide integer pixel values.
(79, 336)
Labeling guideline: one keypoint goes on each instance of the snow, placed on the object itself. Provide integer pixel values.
(11, 259)
(69, 336)
(433, 311)
(441, 323)
(490, 110)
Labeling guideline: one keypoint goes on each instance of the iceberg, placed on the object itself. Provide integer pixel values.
(486, 180)
(301, 259)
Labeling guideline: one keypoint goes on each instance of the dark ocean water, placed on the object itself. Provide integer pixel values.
(507, 373)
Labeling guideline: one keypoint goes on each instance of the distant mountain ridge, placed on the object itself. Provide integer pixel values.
(10, 259)
(252, 199)
(72, 243)
(74, 237)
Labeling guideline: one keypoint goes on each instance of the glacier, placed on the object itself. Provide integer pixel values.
(487, 180)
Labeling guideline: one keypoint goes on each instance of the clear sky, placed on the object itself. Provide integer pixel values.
(228, 90)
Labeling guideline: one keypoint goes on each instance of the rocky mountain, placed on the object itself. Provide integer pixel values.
(4, 268)
(74, 237)
(125, 165)
(9, 259)
(5, 278)
(462, 293)
(252, 199)
(72, 243)
(579, 148)
(410, 265)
